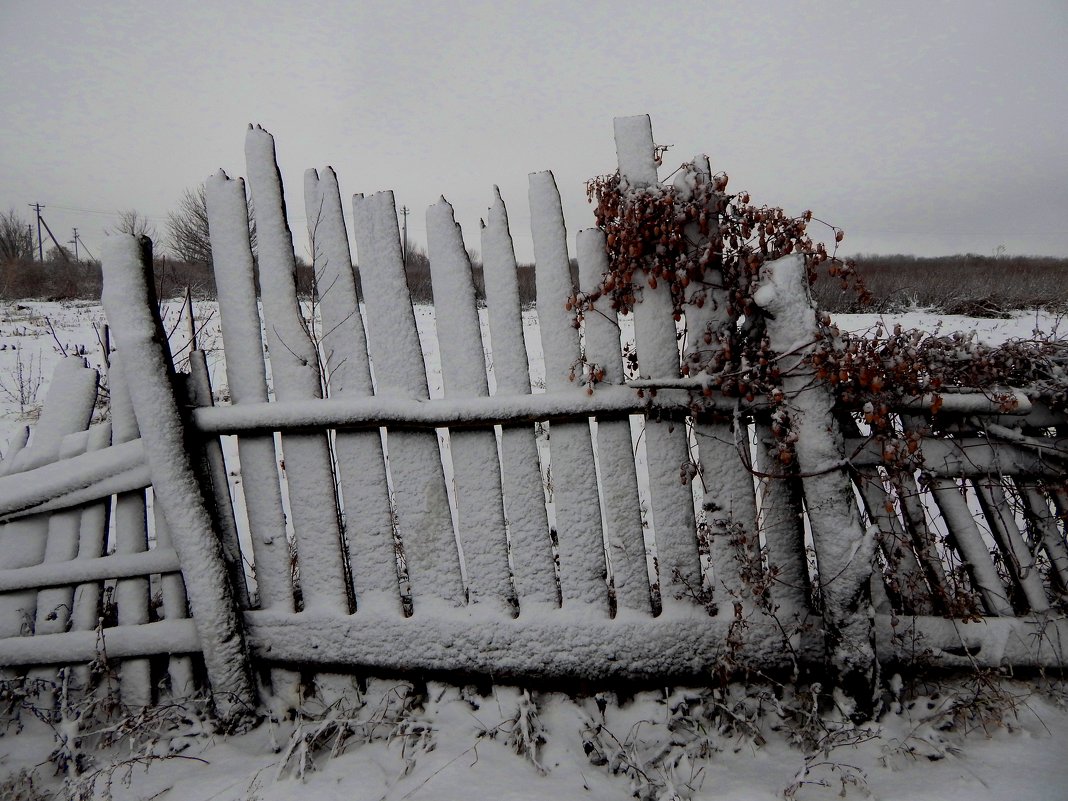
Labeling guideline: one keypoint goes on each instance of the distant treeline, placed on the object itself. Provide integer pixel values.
(967, 284)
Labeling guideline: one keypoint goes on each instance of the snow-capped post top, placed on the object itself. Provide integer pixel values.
(783, 293)
(634, 150)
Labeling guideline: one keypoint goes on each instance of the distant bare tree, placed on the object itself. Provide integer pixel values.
(135, 223)
(16, 240)
(187, 227)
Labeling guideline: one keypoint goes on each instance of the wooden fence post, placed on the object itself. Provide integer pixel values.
(132, 311)
(844, 550)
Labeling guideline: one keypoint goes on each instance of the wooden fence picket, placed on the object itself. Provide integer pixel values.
(1017, 556)
(476, 468)
(673, 520)
(1045, 530)
(54, 604)
(213, 466)
(965, 535)
(296, 375)
(524, 497)
(583, 570)
(246, 377)
(92, 543)
(131, 595)
(424, 520)
(615, 452)
(174, 606)
(132, 309)
(361, 463)
(782, 526)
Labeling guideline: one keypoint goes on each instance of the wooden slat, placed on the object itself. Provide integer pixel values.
(131, 537)
(1046, 531)
(478, 641)
(524, 498)
(361, 465)
(578, 519)
(130, 303)
(92, 542)
(54, 604)
(213, 466)
(246, 376)
(1014, 550)
(86, 569)
(907, 584)
(87, 610)
(120, 642)
(295, 373)
(908, 494)
(673, 520)
(476, 468)
(67, 409)
(968, 541)
(175, 607)
(615, 453)
(424, 520)
(783, 527)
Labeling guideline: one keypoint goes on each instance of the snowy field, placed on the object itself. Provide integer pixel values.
(963, 741)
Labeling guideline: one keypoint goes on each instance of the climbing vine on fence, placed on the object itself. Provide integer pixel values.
(704, 245)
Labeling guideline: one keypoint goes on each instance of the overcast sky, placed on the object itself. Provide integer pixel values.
(927, 128)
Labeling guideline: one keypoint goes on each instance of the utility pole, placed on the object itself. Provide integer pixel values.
(75, 243)
(404, 247)
(40, 244)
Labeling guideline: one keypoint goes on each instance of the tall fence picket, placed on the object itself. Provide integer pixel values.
(578, 517)
(361, 463)
(615, 451)
(673, 520)
(296, 375)
(424, 519)
(524, 497)
(246, 377)
(476, 469)
(729, 500)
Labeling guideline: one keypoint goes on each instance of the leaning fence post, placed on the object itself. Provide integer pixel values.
(132, 310)
(844, 550)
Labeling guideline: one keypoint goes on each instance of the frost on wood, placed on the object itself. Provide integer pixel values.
(67, 410)
(295, 371)
(476, 470)
(131, 537)
(524, 499)
(360, 461)
(673, 521)
(578, 518)
(615, 454)
(128, 301)
(424, 519)
(844, 550)
(246, 376)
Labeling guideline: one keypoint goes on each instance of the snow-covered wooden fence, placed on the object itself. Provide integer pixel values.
(391, 532)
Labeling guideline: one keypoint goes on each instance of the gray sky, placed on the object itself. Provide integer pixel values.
(928, 128)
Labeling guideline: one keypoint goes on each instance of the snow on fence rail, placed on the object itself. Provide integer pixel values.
(387, 531)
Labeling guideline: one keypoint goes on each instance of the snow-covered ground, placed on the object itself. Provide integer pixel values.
(459, 744)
